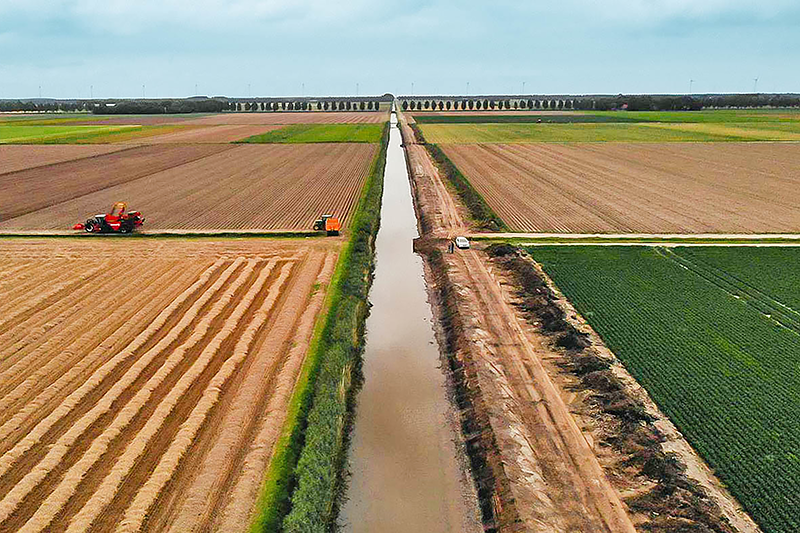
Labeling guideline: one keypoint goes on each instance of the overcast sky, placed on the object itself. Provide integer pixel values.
(320, 47)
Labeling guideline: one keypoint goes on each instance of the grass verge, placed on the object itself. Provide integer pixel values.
(304, 481)
(320, 133)
(478, 209)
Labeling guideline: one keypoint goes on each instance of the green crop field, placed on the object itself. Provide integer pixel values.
(530, 117)
(321, 133)
(78, 134)
(713, 334)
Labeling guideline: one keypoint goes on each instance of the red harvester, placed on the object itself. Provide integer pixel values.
(118, 220)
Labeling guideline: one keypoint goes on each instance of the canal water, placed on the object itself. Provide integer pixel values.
(406, 471)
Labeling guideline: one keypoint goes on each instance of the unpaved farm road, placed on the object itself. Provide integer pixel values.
(557, 482)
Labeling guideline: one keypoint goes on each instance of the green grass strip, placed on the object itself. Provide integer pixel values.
(321, 133)
(303, 481)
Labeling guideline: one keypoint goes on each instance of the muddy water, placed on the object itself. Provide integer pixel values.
(406, 471)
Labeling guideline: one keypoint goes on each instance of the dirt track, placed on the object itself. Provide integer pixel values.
(102, 412)
(556, 482)
(638, 188)
(196, 187)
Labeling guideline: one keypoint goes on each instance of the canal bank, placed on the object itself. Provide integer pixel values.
(406, 462)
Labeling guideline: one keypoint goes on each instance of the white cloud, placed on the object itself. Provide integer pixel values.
(130, 16)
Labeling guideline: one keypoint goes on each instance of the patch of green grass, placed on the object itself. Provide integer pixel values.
(27, 134)
(649, 241)
(524, 133)
(79, 134)
(712, 335)
(710, 116)
(321, 133)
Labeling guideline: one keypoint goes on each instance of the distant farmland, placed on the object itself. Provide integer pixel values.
(194, 187)
(638, 188)
(713, 334)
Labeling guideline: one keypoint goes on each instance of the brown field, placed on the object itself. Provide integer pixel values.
(208, 134)
(638, 188)
(28, 190)
(14, 157)
(514, 112)
(302, 117)
(149, 399)
(200, 187)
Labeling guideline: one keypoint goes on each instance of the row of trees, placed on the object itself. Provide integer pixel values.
(53, 106)
(607, 103)
(154, 107)
(304, 105)
(466, 105)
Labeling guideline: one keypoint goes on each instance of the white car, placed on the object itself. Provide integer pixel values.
(462, 243)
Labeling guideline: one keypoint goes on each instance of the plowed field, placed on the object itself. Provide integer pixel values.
(219, 187)
(19, 157)
(143, 384)
(36, 188)
(638, 188)
(209, 134)
(306, 117)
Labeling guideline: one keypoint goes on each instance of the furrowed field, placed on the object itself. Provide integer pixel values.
(713, 334)
(149, 399)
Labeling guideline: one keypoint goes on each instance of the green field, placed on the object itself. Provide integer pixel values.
(714, 336)
(321, 133)
(531, 117)
(26, 134)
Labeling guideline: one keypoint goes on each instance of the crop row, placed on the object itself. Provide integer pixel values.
(723, 372)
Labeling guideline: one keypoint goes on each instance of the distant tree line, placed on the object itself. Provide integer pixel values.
(604, 103)
(155, 107)
(53, 106)
(304, 105)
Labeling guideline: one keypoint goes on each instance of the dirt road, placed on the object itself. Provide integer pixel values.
(556, 482)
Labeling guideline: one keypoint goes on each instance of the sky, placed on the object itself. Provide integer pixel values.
(177, 48)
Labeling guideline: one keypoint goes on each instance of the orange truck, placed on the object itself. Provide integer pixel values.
(327, 223)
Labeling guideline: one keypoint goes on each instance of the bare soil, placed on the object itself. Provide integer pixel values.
(302, 117)
(198, 187)
(150, 401)
(20, 157)
(26, 191)
(638, 188)
(208, 134)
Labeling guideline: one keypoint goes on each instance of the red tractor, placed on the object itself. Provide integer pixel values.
(118, 220)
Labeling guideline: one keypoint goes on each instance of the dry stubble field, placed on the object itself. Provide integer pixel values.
(637, 188)
(122, 362)
(192, 187)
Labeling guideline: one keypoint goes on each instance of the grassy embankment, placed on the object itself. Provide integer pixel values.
(321, 133)
(715, 342)
(478, 209)
(303, 482)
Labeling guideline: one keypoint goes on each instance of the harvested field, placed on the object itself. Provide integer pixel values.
(33, 189)
(149, 401)
(638, 188)
(20, 157)
(266, 187)
(208, 134)
(303, 117)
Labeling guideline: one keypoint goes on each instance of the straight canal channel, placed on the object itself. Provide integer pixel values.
(407, 472)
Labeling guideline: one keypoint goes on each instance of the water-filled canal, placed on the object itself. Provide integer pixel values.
(406, 474)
